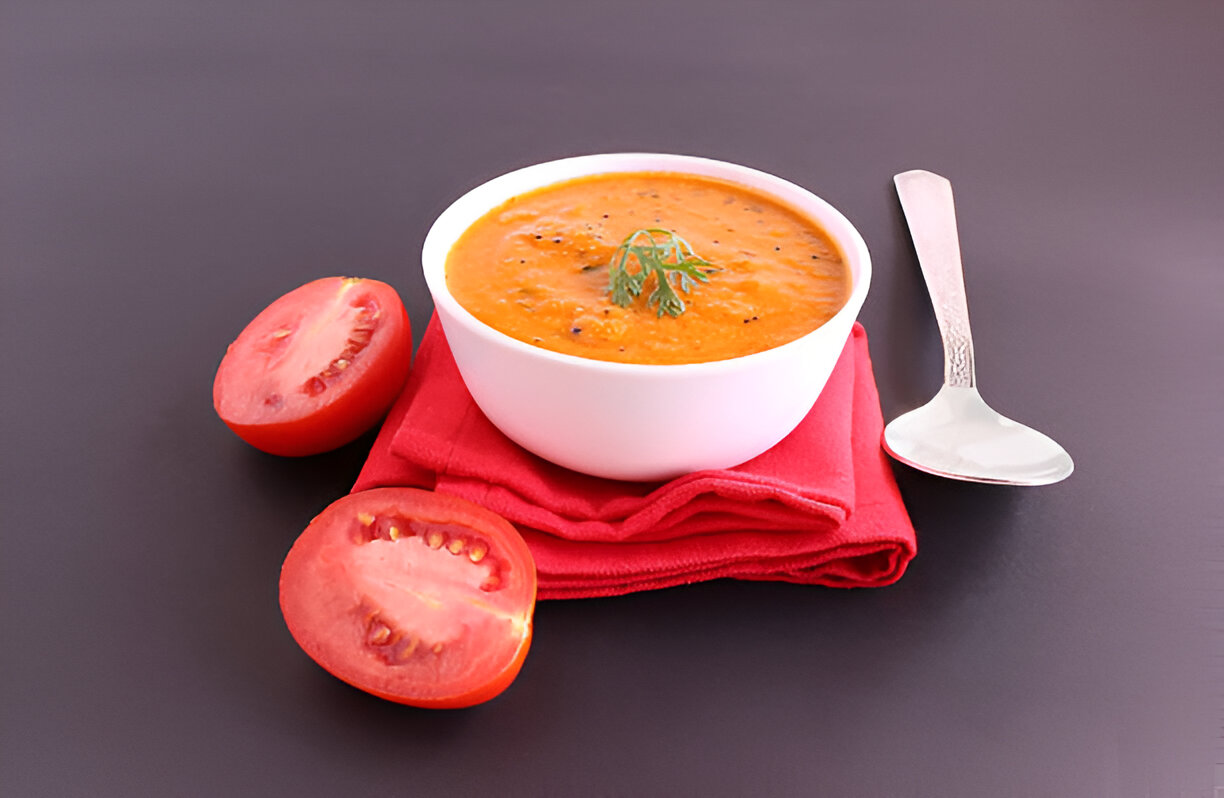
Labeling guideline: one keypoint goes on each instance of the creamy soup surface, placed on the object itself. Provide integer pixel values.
(537, 269)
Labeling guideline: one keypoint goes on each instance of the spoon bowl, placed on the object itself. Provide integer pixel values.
(956, 434)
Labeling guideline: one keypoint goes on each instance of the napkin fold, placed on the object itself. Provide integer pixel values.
(821, 507)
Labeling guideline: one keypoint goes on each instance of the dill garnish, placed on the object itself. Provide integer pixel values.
(664, 254)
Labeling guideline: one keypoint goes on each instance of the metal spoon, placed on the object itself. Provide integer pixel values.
(957, 434)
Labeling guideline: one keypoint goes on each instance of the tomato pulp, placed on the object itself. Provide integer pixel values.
(413, 596)
(316, 368)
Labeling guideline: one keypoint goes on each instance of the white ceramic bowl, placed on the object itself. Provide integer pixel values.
(566, 408)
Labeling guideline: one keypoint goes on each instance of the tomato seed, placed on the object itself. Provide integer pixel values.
(380, 635)
(477, 551)
(455, 546)
(371, 528)
(392, 646)
(435, 539)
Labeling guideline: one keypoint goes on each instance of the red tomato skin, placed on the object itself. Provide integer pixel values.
(307, 585)
(348, 409)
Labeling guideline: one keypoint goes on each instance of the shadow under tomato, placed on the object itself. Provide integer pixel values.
(327, 476)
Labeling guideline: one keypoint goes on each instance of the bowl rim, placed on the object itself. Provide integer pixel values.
(490, 194)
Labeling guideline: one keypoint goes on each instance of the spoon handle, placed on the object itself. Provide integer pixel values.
(926, 199)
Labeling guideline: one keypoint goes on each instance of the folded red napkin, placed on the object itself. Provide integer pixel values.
(821, 507)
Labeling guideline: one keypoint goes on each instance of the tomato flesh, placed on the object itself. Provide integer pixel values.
(413, 596)
(317, 367)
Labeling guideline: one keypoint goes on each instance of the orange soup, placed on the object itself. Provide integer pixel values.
(537, 269)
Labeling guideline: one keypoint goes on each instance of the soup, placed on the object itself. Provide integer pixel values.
(537, 268)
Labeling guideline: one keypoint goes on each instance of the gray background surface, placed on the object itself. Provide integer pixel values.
(168, 168)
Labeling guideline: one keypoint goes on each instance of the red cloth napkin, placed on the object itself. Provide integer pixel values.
(821, 507)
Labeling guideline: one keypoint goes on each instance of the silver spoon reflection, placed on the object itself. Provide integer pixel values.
(956, 434)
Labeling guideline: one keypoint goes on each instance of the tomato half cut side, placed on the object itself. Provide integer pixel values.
(317, 367)
(416, 597)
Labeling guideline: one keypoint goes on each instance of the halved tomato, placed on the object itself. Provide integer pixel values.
(316, 368)
(414, 596)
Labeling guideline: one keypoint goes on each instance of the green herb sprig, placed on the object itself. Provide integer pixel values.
(664, 254)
